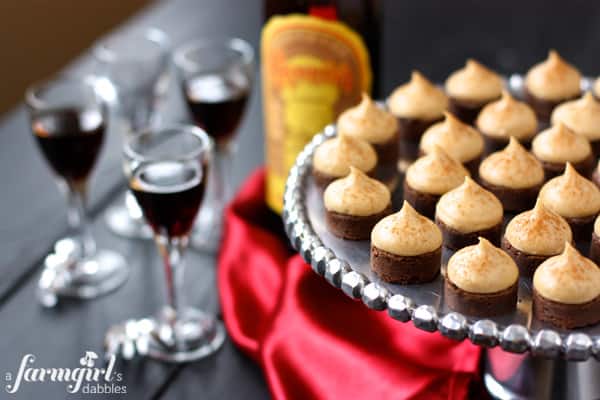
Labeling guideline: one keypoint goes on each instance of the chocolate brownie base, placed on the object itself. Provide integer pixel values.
(494, 144)
(481, 304)
(554, 169)
(322, 180)
(526, 262)
(387, 152)
(543, 108)
(595, 248)
(424, 203)
(514, 200)
(353, 227)
(595, 147)
(410, 131)
(581, 228)
(466, 111)
(455, 240)
(566, 316)
(406, 270)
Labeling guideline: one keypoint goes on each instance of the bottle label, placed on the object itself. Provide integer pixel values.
(312, 70)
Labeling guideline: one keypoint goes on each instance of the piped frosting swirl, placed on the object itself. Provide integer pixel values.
(553, 79)
(335, 156)
(560, 144)
(474, 82)
(460, 140)
(482, 268)
(436, 173)
(418, 99)
(513, 167)
(568, 278)
(581, 115)
(507, 117)
(368, 121)
(406, 233)
(357, 195)
(570, 195)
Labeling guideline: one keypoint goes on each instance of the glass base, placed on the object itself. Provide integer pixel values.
(120, 221)
(191, 336)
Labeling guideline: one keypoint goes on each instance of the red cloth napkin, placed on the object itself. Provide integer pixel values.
(310, 339)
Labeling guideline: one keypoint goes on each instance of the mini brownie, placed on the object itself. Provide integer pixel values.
(461, 141)
(481, 280)
(551, 83)
(428, 178)
(583, 117)
(534, 236)
(406, 248)
(566, 290)
(471, 88)
(334, 157)
(557, 145)
(506, 118)
(514, 175)
(417, 105)
(354, 204)
(574, 198)
(370, 122)
(595, 242)
(468, 212)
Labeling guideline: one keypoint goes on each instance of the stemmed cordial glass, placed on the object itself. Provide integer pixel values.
(68, 120)
(167, 175)
(216, 80)
(136, 64)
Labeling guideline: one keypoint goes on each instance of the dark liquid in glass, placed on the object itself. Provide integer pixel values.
(217, 103)
(70, 140)
(169, 194)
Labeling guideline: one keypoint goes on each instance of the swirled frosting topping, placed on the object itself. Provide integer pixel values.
(357, 195)
(596, 87)
(560, 144)
(474, 82)
(582, 116)
(538, 231)
(568, 278)
(507, 117)
(436, 173)
(482, 268)
(368, 121)
(469, 208)
(513, 167)
(553, 79)
(460, 140)
(335, 156)
(570, 195)
(406, 233)
(597, 226)
(418, 99)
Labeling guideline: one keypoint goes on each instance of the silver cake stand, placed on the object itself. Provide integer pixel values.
(524, 358)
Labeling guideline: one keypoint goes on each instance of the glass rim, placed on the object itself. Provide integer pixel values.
(206, 143)
(102, 52)
(33, 99)
(239, 45)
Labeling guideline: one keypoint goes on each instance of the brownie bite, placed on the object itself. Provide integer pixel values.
(514, 175)
(370, 122)
(354, 204)
(595, 242)
(557, 145)
(428, 178)
(468, 212)
(459, 140)
(417, 105)
(506, 118)
(534, 236)
(481, 280)
(566, 290)
(550, 83)
(574, 198)
(471, 88)
(583, 117)
(406, 248)
(334, 157)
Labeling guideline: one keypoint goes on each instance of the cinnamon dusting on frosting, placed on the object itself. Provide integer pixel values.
(553, 79)
(507, 117)
(474, 82)
(368, 121)
(560, 144)
(436, 173)
(581, 115)
(461, 141)
(335, 156)
(357, 195)
(418, 99)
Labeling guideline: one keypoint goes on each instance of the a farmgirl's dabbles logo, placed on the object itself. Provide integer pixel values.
(87, 378)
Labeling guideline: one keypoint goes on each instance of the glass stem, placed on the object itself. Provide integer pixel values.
(78, 220)
(172, 251)
(223, 163)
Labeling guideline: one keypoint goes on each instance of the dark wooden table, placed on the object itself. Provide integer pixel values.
(509, 36)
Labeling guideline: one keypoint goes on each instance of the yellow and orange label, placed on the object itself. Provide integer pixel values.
(312, 70)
